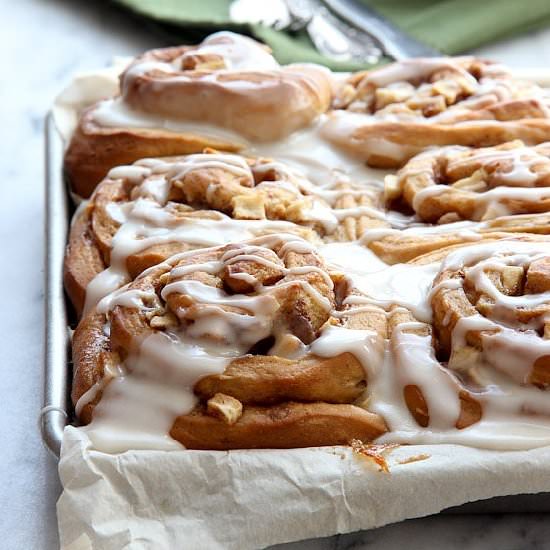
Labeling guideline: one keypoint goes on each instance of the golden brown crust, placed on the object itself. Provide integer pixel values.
(470, 409)
(83, 259)
(94, 150)
(92, 359)
(270, 379)
(284, 426)
(87, 256)
(521, 223)
(400, 247)
(439, 254)
(414, 138)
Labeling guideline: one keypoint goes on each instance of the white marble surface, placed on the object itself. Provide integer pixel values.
(41, 44)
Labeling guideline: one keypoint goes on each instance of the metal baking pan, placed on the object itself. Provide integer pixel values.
(58, 412)
(55, 414)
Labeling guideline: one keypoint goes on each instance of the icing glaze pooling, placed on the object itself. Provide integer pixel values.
(138, 410)
(508, 356)
(306, 150)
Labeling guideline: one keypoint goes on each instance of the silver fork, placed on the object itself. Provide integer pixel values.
(339, 29)
(332, 36)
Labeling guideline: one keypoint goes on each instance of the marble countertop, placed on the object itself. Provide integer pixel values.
(41, 45)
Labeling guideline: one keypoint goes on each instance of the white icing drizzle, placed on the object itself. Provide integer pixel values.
(510, 351)
(416, 364)
(409, 360)
(137, 410)
(521, 159)
(146, 225)
(494, 198)
(139, 405)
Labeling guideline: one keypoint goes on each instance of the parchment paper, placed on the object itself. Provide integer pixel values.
(251, 499)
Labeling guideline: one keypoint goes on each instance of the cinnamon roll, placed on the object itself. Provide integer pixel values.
(225, 348)
(456, 183)
(144, 213)
(390, 114)
(468, 348)
(173, 101)
(490, 304)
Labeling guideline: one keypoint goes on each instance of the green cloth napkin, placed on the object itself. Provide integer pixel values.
(450, 26)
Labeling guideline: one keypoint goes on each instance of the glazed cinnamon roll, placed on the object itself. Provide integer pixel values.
(390, 114)
(467, 356)
(144, 213)
(279, 335)
(483, 296)
(226, 348)
(456, 183)
(173, 101)
(490, 304)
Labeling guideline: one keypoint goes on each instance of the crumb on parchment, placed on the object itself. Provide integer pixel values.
(373, 452)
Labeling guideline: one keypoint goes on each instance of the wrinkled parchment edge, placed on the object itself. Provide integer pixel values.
(252, 499)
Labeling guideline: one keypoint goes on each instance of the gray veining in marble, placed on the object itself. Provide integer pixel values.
(42, 43)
